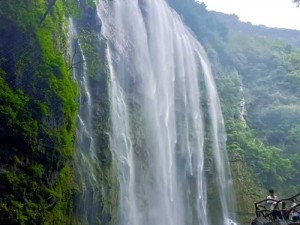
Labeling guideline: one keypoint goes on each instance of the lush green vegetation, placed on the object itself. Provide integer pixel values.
(37, 115)
(39, 184)
(269, 72)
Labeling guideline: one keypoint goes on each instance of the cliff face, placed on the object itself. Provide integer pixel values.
(247, 191)
(96, 196)
(37, 114)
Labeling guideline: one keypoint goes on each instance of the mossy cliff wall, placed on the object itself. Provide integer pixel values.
(96, 203)
(247, 190)
(37, 114)
(39, 100)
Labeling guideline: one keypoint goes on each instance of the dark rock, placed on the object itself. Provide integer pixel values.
(264, 221)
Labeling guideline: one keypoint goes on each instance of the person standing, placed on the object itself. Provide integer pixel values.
(272, 201)
(294, 213)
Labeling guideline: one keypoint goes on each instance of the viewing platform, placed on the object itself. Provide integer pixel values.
(264, 214)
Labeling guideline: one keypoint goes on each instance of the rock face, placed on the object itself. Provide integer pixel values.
(261, 221)
(246, 188)
(264, 221)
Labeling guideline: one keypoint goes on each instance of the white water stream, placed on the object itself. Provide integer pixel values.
(164, 112)
(158, 121)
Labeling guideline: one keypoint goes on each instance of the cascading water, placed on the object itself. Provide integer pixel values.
(86, 159)
(155, 64)
(163, 107)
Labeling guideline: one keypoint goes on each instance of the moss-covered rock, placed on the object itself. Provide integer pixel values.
(247, 190)
(37, 114)
(97, 189)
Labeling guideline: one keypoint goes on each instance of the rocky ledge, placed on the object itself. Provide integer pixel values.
(264, 221)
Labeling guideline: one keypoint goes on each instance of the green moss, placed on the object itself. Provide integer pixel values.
(71, 8)
(36, 170)
(88, 41)
(247, 190)
(90, 3)
(63, 195)
(37, 115)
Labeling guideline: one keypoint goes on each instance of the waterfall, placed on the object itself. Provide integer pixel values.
(165, 114)
(85, 154)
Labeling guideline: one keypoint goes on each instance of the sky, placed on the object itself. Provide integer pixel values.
(271, 13)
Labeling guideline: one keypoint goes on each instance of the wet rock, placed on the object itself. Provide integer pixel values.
(264, 221)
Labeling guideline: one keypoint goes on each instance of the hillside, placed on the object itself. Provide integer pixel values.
(233, 24)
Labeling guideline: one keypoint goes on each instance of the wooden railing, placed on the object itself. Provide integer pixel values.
(261, 210)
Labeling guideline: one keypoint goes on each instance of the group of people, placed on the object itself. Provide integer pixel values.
(272, 200)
